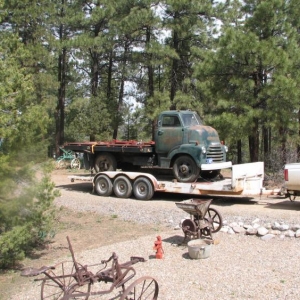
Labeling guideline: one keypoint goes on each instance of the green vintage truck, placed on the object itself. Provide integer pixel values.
(181, 142)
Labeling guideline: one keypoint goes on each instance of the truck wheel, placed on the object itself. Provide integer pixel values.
(105, 162)
(122, 187)
(210, 174)
(185, 169)
(103, 185)
(143, 189)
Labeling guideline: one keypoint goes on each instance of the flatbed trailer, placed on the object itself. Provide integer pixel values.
(246, 179)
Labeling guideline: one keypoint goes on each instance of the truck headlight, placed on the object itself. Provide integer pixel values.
(203, 149)
(225, 148)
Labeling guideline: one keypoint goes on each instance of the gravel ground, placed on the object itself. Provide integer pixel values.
(239, 267)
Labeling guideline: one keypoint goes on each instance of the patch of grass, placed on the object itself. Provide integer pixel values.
(114, 216)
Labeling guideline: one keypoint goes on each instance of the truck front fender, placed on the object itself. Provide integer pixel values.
(186, 149)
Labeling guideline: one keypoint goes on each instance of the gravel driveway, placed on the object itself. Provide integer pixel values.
(239, 267)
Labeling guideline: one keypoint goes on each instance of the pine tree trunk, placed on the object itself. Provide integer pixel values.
(266, 146)
(239, 151)
(121, 92)
(174, 71)
(60, 108)
(254, 143)
(282, 134)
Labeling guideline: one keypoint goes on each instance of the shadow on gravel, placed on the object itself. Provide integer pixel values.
(174, 240)
(84, 187)
(285, 204)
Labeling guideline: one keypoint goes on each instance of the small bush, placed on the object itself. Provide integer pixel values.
(14, 245)
(27, 219)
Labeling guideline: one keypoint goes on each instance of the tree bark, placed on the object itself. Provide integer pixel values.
(239, 151)
(254, 142)
(60, 108)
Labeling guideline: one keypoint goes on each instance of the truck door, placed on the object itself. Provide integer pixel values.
(169, 133)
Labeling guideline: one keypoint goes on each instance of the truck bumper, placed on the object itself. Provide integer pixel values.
(216, 166)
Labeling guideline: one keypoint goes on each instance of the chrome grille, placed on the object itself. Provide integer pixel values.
(215, 153)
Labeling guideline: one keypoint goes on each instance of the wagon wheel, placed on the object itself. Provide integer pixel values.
(63, 279)
(214, 218)
(60, 164)
(144, 288)
(185, 169)
(103, 185)
(77, 291)
(75, 163)
(122, 187)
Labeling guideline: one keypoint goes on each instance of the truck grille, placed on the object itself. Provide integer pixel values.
(215, 153)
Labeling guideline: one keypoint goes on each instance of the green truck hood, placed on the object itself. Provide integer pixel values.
(203, 135)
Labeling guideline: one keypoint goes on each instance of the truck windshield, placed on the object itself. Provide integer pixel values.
(191, 119)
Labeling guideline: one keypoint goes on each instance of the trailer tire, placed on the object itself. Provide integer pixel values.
(103, 185)
(105, 162)
(185, 169)
(143, 189)
(122, 187)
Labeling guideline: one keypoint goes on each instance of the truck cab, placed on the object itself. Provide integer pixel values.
(184, 143)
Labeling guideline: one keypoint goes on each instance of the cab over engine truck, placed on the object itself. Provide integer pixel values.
(181, 142)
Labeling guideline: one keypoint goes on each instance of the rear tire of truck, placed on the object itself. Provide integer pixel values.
(185, 169)
(122, 187)
(103, 186)
(143, 189)
(105, 162)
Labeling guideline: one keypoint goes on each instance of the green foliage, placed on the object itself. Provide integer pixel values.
(14, 244)
(27, 214)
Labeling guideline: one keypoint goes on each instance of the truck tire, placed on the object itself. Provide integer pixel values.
(143, 189)
(103, 185)
(122, 187)
(105, 162)
(210, 174)
(185, 169)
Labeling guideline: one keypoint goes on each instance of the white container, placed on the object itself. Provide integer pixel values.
(199, 249)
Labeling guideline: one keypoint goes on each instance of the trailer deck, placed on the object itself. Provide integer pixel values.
(246, 179)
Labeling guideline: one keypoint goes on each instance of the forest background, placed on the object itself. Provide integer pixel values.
(74, 70)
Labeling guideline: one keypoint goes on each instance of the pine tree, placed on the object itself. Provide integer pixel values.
(248, 75)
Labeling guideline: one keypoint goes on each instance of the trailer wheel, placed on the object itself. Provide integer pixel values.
(143, 189)
(122, 187)
(105, 162)
(103, 185)
(185, 169)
